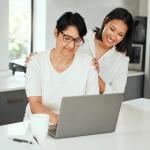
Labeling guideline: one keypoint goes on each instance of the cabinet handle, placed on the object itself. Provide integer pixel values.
(13, 100)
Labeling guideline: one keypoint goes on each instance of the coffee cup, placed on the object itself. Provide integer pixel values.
(38, 125)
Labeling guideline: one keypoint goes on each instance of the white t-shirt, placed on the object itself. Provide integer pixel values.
(113, 65)
(80, 78)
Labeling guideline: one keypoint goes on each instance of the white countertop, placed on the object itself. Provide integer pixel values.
(11, 83)
(132, 73)
(132, 132)
(17, 82)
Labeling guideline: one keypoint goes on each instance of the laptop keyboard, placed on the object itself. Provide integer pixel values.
(52, 129)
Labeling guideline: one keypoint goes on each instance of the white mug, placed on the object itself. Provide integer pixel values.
(38, 125)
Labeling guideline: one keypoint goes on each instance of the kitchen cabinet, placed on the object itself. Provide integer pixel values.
(12, 106)
(134, 87)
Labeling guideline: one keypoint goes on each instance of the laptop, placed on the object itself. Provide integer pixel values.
(87, 115)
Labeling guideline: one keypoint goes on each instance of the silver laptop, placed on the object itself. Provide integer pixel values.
(86, 115)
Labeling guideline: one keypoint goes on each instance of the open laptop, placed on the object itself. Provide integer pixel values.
(86, 115)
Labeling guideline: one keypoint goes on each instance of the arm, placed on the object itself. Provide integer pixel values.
(29, 57)
(101, 85)
(101, 82)
(34, 92)
(36, 106)
(118, 83)
(92, 82)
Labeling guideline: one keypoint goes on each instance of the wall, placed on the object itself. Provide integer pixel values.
(143, 8)
(4, 36)
(147, 57)
(39, 25)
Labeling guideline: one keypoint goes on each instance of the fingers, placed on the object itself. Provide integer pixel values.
(54, 118)
(29, 57)
(95, 64)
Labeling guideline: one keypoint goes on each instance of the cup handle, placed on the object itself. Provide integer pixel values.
(26, 124)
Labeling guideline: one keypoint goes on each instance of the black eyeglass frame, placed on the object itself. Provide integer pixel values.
(81, 42)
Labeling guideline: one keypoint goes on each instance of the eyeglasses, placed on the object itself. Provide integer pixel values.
(68, 39)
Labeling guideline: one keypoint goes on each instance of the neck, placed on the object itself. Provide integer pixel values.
(101, 48)
(102, 45)
(59, 61)
(60, 58)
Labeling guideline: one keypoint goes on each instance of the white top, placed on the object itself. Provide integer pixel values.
(113, 65)
(43, 80)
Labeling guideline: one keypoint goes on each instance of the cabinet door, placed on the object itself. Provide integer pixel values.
(134, 87)
(12, 106)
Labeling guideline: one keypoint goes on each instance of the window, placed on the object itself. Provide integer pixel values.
(20, 28)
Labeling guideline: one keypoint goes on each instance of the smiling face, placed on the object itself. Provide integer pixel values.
(113, 33)
(68, 40)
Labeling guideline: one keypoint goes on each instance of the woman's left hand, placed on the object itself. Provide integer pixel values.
(95, 64)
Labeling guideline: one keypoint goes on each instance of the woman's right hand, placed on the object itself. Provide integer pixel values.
(28, 58)
(95, 64)
(53, 118)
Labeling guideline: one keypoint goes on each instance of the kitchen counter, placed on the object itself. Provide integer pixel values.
(132, 73)
(11, 83)
(17, 82)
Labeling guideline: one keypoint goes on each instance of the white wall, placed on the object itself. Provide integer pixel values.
(143, 7)
(93, 11)
(39, 25)
(3, 36)
(147, 57)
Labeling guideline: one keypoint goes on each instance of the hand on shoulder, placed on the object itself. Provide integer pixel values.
(95, 64)
(29, 57)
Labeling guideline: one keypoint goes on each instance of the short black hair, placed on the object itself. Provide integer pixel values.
(119, 14)
(72, 19)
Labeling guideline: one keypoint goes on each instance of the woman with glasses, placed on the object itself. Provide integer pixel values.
(61, 71)
(109, 46)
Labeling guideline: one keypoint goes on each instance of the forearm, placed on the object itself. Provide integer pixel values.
(101, 85)
(100, 80)
(36, 106)
(39, 108)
